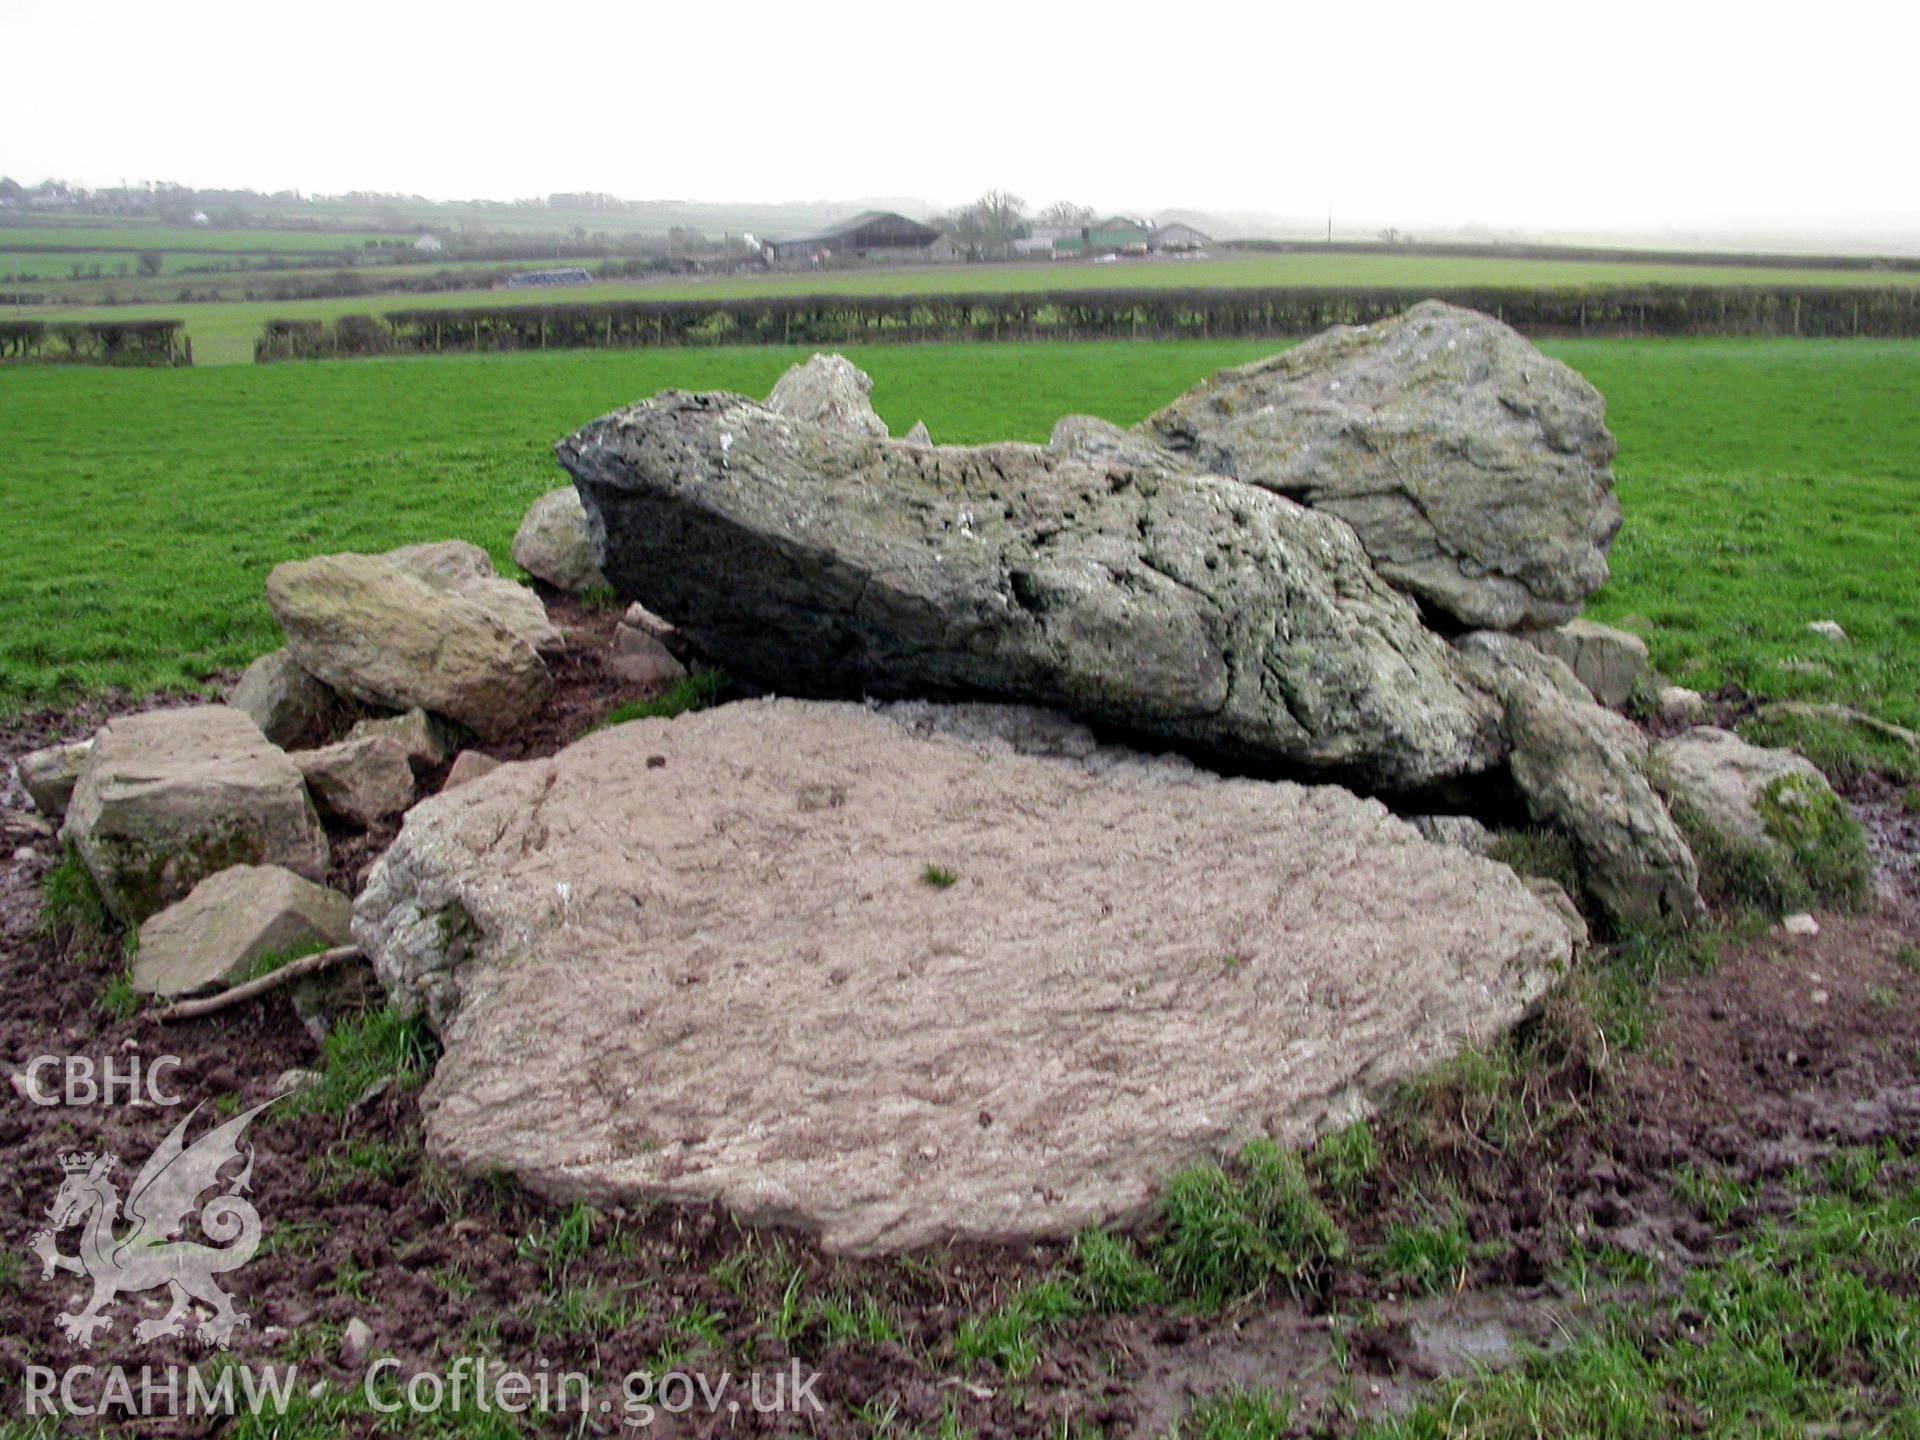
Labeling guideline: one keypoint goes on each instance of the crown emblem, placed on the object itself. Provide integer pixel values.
(77, 1162)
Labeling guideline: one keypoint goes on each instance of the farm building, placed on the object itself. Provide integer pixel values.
(877, 236)
(429, 243)
(540, 279)
(1178, 237)
(1115, 234)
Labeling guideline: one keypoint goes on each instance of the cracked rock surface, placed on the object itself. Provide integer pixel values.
(1094, 577)
(1473, 467)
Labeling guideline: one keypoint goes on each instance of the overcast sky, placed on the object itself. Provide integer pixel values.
(1541, 114)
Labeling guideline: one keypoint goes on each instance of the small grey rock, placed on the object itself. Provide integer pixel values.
(831, 391)
(643, 659)
(468, 765)
(1607, 661)
(1462, 831)
(356, 1343)
(1678, 704)
(361, 780)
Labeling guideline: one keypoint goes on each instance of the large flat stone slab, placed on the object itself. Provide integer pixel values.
(703, 959)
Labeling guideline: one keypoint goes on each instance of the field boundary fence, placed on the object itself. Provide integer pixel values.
(1120, 314)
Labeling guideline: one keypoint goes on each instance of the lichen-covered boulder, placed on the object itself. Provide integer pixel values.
(831, 391)
(459, 567)
(232, 920)
(1765, 818)
(556, 544)
(375, 628)
(169, 797)
(1579, 769)
(1183, 608)
(1473, 468)
(703, 960)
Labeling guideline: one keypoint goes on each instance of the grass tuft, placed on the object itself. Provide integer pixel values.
(693, 692)
(1430, 1257)
(71, 904)
(1541, 854)
(939, 877)
(1346, 1160)
(361, 1052)
(1234, 1234)
(1113, 1276)
(1238, 1414)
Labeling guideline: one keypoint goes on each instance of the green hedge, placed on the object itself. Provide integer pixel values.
(100, 342)
(1088, 315)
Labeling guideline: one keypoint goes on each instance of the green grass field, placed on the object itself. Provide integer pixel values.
(1766, 484)
(109, 236)
(223, 333)
(58, 264)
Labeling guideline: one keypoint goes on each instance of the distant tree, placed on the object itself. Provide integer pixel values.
(993, 222)
(150, 262)
(1065, 215)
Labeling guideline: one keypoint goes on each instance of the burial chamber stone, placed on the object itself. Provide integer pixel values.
(1179, 607)
(699, 960)
(1473, 467)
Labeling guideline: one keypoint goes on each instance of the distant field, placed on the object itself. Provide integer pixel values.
(58, 264)
(106, 236)
(1766, 484)
(223, 334)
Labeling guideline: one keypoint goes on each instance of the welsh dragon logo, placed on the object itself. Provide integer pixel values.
(147, 1254)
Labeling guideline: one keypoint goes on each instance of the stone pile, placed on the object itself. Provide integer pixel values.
(955, 962)
(1274, 573)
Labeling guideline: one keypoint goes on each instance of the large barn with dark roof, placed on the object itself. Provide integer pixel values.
(878, 235)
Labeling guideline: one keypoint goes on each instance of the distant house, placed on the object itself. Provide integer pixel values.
(876, 237)
(540, 279)
(1116, 235)
(200, 218)
(1178, 238)
(429, 243)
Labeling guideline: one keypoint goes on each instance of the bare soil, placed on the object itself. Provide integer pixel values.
(1785, 1050)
